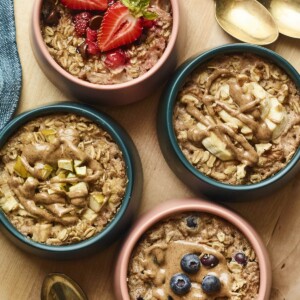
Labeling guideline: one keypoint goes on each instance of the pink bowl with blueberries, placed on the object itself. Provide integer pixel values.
(111, 52)
(192, 249)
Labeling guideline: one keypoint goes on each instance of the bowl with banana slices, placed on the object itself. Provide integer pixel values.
(229, 122)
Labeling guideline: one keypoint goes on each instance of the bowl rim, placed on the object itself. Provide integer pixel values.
(173, 86)
(178, 206)
(105, 122)
(36, 30)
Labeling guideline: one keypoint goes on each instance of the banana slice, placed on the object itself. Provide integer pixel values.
(216, 147)
(280, 127)
(226, 117)
(258, 91)
(261, 148)
(274, 115)
(265, 108)
(270, 124)
(277, 111)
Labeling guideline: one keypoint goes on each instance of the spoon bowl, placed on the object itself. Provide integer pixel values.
(58, 286)
(287, 16)
(247, 20)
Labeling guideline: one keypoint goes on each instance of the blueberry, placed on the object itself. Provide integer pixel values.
(211, 284)
(192, 221)
(180, 284)
(190, 263)
(240, 258)
(209, 260)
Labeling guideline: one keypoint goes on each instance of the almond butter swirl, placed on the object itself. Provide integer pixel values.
(237, 119)
(171, 255)
(61, 173)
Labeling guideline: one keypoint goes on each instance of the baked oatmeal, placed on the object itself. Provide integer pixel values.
(113, 43)
(193, 256)
(237, 119)
(62, 179)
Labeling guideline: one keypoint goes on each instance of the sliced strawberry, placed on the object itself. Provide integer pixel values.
(119, 27)
(85, 4)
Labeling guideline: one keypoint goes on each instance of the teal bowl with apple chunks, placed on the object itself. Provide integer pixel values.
(130, 202)
(192, 177)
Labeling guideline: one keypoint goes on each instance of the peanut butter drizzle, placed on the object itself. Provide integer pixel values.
(162, 261)
(245, 103)
(45, 153)
(237, 94)
(216, 74)
(247, 156)
(63, 147)
(195, 134)
(260, 129)
(31, 207)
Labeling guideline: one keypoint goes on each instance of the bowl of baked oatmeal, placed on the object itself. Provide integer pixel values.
(70, 180)
(106, 52)
(192, 249)
(229, 122)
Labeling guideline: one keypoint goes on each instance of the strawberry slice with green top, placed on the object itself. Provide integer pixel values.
(122, 23)
(85, 4)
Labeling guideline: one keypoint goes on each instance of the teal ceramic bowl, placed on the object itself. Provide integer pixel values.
(130, 202)
(197, 181)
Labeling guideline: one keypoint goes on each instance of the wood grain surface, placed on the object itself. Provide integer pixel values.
(276, 217)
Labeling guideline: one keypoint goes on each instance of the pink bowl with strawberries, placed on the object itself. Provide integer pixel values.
(111, 52)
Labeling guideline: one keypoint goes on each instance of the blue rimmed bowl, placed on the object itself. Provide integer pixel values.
(197, 181)
(130, 202)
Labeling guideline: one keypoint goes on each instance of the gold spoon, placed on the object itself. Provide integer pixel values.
(247, 20)
(58, 286)
(286, 14)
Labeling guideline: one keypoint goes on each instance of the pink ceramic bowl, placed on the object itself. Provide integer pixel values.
(114, 94)
(185, 205)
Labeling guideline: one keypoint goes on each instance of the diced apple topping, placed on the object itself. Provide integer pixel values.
(71, 175)
(66, 164)
(90, 215)
(77, 163)
(43, 171)
(49, 134)
(20, 169)
(10, 204)
(81, 171)
(97, 201)
(78, 190)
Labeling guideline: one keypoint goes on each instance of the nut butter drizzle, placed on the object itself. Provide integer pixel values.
(162, 261)
(244, 103)
(64, 146)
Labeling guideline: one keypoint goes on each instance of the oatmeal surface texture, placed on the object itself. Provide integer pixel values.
(157, 257)
(62, 179)
(237, 119)
(63, 43)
